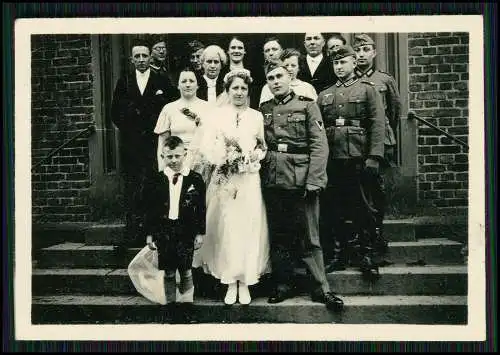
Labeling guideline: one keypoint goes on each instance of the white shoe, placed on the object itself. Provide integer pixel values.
(186, 297)
(231, 293)
(244, 293)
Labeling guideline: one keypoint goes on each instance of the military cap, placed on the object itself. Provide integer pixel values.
(342, 52)
(362, 39)
(273, 65)
(155, 39)
(195, 45)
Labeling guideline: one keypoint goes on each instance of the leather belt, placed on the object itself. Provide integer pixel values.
(341, 122)
(287, 148)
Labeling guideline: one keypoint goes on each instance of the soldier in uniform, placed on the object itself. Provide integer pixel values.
(353, 114)
(365, 50)
(293, 173)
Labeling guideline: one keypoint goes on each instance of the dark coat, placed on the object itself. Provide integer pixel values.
(202, 92)
(192, 210)
(135, 115)
(323, 77)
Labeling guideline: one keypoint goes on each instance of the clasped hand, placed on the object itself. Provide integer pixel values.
(311, 190)
(371, 166)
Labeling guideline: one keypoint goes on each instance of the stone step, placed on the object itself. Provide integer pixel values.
(394, 280)
(402, 230)
(82, 309)
(78, 255)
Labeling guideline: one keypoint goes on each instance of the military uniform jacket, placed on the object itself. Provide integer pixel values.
(386, 86)
(353, 115)
(297, 147)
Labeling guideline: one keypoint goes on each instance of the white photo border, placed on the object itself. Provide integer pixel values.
(475, 330)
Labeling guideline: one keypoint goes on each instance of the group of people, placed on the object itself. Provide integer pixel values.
(240, 185)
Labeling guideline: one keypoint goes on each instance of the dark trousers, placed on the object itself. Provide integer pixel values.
(137, 165)
(293, 223)
(348, 216)
(175, 247)
(134, 211)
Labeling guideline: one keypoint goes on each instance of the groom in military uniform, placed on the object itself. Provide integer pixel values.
(293, 174)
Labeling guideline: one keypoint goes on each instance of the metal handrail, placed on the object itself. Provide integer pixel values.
(90, 129)
(412, 115)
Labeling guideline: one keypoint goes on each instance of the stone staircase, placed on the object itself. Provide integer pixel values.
(79, 281)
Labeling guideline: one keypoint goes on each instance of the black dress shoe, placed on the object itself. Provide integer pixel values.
(279, 296)
(369, 269)
(335, 265)
(331, 301)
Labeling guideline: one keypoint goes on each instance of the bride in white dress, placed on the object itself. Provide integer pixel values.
(236, 246)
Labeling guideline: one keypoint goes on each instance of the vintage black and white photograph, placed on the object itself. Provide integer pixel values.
(312, 176)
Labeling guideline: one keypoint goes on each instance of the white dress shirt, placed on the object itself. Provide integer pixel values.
(313, 62)
(142, 79)
(175, 190)
(211, 91)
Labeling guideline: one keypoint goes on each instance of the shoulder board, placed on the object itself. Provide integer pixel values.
(304, 98)
(366, 81)
(265, 102)
(385, 73)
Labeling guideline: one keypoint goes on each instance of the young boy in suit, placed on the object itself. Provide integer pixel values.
(175, 218)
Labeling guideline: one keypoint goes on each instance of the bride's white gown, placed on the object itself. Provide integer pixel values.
(236, 245)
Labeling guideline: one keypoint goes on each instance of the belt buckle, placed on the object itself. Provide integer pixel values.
(339, 122)
(282, 147)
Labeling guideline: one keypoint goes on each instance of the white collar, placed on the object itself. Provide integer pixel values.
(210, 81)
(170, 173)
(317, 59)
(139, 74)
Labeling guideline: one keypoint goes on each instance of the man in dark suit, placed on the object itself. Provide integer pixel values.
(137, 101)
(159, 65)
(315, 68)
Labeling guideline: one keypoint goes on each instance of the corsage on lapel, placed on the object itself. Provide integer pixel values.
(159, 92)
(191, 115)
(190, 188)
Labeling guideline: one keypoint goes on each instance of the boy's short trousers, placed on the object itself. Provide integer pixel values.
(175, 247)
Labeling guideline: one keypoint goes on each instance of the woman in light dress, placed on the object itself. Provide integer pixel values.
(236, 54)
(290, 60)
(183, 118)
(236, 246)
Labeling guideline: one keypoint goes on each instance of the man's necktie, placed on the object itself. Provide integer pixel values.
(176, 178)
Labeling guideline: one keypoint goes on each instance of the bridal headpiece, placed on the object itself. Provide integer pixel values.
(241, 73)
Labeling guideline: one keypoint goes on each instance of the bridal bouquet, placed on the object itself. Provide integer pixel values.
(234, 162)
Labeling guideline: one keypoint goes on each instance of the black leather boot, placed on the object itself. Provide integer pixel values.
(368, 266)
(338, 261)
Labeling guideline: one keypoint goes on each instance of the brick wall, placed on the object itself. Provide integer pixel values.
(62, 105)
(438, 92)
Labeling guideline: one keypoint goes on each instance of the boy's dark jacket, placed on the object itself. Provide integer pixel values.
(191, 204)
